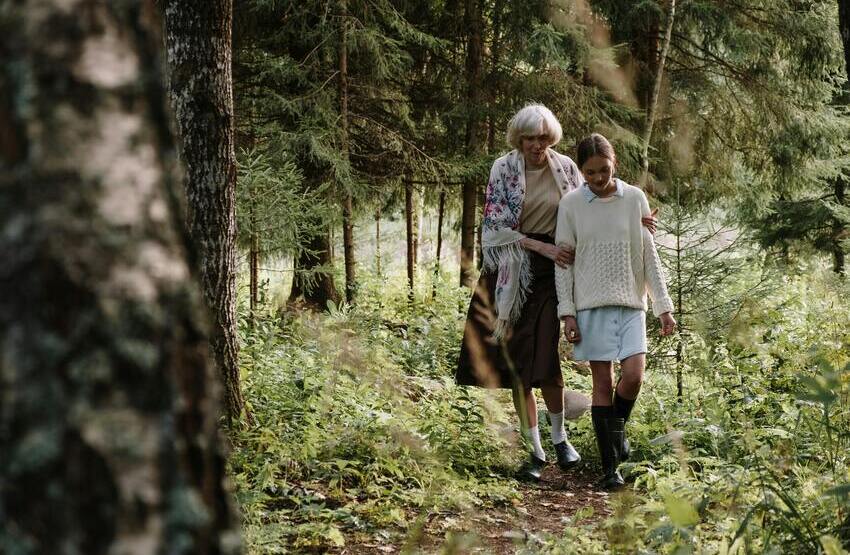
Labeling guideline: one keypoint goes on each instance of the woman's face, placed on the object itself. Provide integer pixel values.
(534, 148)
(599, 173)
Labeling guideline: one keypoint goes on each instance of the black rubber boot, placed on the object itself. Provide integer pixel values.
(623, 409)
(567, 455)
(609, 431)
(531, 470)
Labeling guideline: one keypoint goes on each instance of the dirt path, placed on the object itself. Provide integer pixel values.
(544, 508)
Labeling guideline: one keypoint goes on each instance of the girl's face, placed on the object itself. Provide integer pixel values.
(599, 173)
(534, 148)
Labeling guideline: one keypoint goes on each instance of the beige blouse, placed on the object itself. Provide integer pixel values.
(540, 206)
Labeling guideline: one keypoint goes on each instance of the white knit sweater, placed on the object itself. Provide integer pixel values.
(616, 262)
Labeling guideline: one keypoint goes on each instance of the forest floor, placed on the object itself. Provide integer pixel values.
(542, 509)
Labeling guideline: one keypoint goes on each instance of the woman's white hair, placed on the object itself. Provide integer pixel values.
(532, 120)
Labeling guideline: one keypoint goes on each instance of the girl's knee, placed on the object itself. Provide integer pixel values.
(603, 386)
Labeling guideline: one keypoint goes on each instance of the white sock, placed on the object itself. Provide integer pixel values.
(533, 436)
(559, 433)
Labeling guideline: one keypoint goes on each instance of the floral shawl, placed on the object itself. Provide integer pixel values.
(500, 234)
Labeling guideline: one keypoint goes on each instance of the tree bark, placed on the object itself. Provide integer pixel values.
(441, 210)
(109, 420)
(839, 228)
(844, 28)
(680, 388)
(474, 46)
(198, 47)
(254, 265)
(494, 77)
(348, 203)
(312, 280)
(378, 241)
(652, 108)
(409, 236)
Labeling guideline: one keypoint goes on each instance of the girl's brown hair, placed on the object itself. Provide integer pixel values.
(595, 145)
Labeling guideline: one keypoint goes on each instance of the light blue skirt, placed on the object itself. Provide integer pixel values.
(610, 333)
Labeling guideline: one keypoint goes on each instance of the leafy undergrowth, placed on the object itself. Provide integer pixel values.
(361, 439)
(359, 429)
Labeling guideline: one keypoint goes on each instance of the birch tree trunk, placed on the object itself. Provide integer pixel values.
(108, 429)
(198, 47)
(652, 108)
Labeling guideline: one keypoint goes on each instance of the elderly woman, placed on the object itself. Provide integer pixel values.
(517, 287)
(512, 327)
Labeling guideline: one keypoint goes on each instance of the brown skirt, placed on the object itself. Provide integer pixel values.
(532, 347)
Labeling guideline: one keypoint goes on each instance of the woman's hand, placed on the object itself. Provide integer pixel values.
(668, 323)
(571, 331)
(651, 222)
(562, 256)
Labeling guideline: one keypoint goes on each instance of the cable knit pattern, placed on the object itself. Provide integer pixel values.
(616, 260)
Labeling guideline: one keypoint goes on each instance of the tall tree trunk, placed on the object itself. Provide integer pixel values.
(474, 46)
(441, 211)
(198, 47)
(844, 29)
(312, 280)
(254, 264)
(418, 225)
(109, 420)
(679, 298)
(494, 77)
(409, 235)
(348, 203)
(839, 227)
(652, 108)
(378, 241)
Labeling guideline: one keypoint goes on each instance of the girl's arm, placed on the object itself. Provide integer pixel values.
(656, 283)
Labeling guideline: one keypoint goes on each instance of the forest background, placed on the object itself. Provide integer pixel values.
(335, 159)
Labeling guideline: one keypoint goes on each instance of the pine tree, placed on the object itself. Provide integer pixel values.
(198, 46)
(347, 140)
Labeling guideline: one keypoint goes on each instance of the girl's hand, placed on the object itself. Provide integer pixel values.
(668, 323)
(650, 222)
(562, 256)
(571, 331)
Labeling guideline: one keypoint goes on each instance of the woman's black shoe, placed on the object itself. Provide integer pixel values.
(566, 454)
(531, 470)
(609, 436)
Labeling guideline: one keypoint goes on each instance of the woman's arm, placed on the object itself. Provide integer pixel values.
(562, 256)
(565, 238)
(650, 222)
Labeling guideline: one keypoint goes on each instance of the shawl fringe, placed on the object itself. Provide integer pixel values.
(509, 255)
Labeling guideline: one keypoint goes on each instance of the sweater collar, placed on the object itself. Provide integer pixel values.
(590, 196)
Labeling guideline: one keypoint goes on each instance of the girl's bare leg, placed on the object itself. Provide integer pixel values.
(603, 382)
(631, 376)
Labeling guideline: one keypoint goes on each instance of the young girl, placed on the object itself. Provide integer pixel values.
(602, 296)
